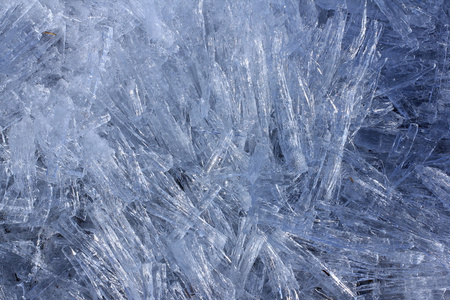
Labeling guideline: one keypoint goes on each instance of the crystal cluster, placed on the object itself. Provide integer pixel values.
(224, 149)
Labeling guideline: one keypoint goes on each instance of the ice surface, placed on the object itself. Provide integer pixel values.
(223, 149)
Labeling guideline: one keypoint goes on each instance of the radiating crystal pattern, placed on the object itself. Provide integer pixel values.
(224, 149)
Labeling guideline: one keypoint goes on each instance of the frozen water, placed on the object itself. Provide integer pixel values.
(222, 149)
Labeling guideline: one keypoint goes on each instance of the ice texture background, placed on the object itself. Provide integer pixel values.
(224, 149)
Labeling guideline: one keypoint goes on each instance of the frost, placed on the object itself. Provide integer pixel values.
(224, 149)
